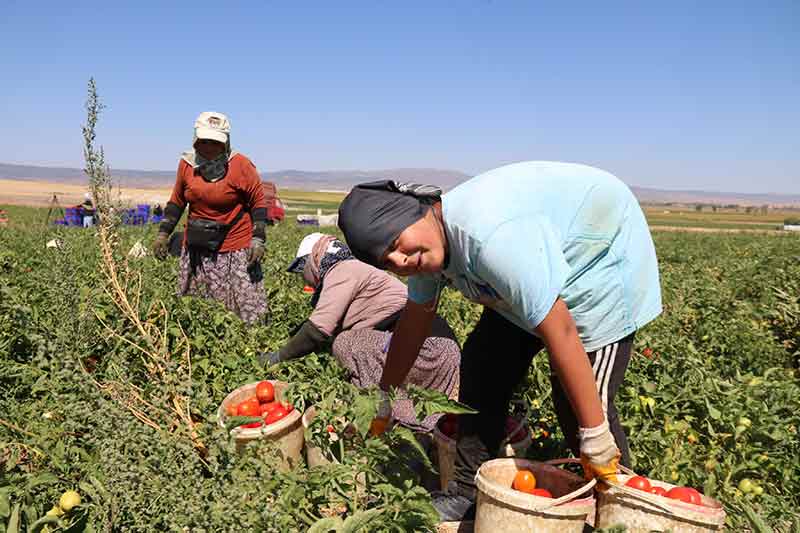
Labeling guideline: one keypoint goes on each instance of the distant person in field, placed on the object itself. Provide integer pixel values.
(226, 225)
(559, 255)
(355, 310)
(87, 211)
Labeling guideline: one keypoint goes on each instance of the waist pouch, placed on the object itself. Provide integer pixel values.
(204, 234)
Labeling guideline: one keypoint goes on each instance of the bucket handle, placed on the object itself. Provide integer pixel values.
(646, 497)
(567, 497)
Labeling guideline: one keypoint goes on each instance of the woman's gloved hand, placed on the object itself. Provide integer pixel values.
(383, 417)
(161, 245)
(599, 454)
(256, 251)
(268, 358)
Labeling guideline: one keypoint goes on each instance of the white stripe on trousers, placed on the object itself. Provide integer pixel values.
(603, 366)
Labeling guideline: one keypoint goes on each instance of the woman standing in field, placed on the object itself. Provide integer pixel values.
(226, 225)
(356, 307)
(560, 256)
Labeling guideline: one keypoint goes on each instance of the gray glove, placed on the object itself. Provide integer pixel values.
(256, 251)
(268, 358)
(161, 246)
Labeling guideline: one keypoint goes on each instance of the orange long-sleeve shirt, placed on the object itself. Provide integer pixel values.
(222, 200)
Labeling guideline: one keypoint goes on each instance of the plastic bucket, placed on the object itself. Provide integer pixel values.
(501, 509)
(641, 511)
(286, 432)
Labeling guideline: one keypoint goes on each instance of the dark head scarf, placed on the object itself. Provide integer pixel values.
(374, 214)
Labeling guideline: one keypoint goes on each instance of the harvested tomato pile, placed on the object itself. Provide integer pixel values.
(525, 481)
(684, 494)
(263, 404)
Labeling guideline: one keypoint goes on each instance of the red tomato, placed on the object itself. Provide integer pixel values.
(248, 408)
(648, 352)
(267, 407)
(251, 425)
(639, 483)
(658, 491)
(232, 409)
(685, 494)
(524, 481)
(512, 423)
(544, 493)
(329, 429)
(275, 415)
(287, 406)
(265, 392)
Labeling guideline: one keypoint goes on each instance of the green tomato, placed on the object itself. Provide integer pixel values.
(69, 500)
(744, 421)
(745, 485)
(740, 429)
(758, 490)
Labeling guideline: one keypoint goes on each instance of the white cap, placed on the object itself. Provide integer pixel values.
(306, 245)
(212, 125)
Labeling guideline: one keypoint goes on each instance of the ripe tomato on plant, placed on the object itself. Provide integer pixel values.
(685, 494)
(639, 483)
(275, 415)
(265, 392)
(524, 481)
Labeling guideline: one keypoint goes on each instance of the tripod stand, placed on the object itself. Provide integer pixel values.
(54, 209)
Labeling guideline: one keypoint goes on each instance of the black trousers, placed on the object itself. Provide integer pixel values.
(495, 359)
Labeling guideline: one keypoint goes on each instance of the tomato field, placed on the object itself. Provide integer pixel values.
(119, 404)
(110, 385)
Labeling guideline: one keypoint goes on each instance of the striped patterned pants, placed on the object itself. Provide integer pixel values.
(495, 359)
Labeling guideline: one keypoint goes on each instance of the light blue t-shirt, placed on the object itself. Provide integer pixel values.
(522, 235)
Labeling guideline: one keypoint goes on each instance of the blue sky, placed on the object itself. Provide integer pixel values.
(700, 95)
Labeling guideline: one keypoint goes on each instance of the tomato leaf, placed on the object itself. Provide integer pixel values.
(712, 411)
(428, 402)
(365, 408)
(326, 525)
(359, 521)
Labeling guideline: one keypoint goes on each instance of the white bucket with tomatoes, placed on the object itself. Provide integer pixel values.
(515, 444)
(643, 505)
(520, 495)
(280, 420)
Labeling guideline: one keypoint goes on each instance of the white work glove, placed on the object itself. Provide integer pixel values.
(599, 454)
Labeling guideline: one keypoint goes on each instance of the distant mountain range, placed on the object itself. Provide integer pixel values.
(343, 180)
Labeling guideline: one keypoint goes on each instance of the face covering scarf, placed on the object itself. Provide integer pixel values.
(212, 169)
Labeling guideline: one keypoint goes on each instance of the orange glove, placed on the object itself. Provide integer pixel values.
(605, 472)
(378, 426)
(383, 417)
